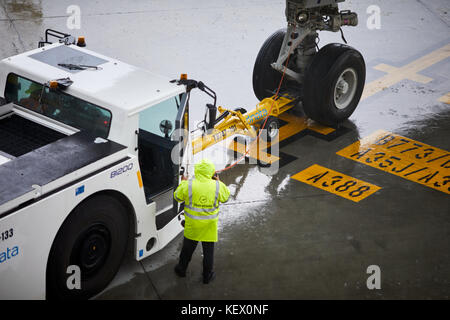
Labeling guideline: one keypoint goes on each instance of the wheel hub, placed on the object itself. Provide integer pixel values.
(272, 130)
(345, 88)
(91, 249)
(342, 86)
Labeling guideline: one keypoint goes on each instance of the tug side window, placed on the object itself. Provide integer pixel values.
(160, 118)
(156, 125)
(58, 105)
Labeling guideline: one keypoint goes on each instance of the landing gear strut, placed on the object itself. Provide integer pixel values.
(330, 80)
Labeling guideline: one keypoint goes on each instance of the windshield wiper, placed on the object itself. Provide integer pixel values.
(71, 66)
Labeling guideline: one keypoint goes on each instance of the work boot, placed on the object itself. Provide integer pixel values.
(208, 278)
(179, 271)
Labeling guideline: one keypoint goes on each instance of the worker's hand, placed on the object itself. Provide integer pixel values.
(215, 177)
(183, 177)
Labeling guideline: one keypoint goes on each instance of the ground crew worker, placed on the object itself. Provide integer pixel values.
(201, 197)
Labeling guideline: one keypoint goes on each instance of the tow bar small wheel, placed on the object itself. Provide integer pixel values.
(265, 78)
(334, 83)
(269, 134)
(270, 130)
(93, 238)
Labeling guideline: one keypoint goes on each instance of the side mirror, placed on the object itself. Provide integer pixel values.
(166, 127)
(210, 116)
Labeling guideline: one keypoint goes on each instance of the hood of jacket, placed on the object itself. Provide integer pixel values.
(204, 169)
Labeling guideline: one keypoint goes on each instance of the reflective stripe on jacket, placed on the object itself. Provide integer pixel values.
(202, 209)
(201, 198)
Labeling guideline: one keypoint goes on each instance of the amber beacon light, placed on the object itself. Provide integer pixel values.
(81, 42)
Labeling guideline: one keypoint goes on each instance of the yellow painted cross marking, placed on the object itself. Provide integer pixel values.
(336, 182)
(410, 71)
(403, 157)
(445, 99)
(294, 125)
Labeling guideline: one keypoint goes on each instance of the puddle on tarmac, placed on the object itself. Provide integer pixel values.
(24, 9)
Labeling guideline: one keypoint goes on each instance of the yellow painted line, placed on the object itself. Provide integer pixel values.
(294, 126)
(410, 71)
(297, 124)
(413, 76)
(262, 156)
(336, 183)
(321, 129)
(445, 99)
(253, 152)
(403, 157)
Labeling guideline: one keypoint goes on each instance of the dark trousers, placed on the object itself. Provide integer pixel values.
(189, 248)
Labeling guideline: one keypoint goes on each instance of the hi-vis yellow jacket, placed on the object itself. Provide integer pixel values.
(201, 198)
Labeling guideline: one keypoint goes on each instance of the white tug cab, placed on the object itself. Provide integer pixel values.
(87, 145)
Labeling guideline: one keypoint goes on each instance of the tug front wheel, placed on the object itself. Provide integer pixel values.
(334, 83)
(93, 239)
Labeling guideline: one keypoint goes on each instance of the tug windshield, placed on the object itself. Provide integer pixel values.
(58, 105)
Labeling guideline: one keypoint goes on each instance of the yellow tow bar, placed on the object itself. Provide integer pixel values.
(237, 123)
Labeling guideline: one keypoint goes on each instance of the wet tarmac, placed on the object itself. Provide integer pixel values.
(280, 238)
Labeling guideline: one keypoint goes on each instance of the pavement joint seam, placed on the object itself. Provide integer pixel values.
(275, 198)
(11, 21)
(129, 12)
(283, 198)
(151, 282)
(434, 13)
